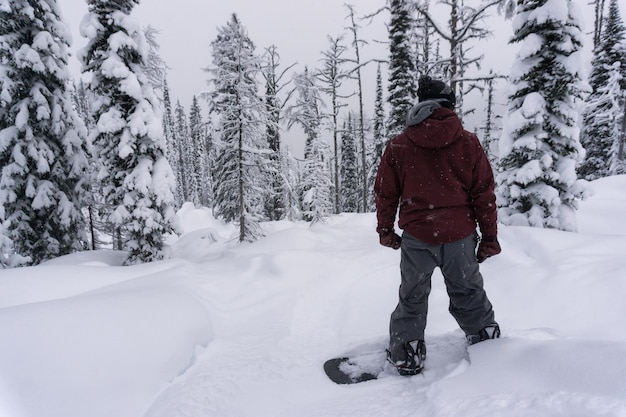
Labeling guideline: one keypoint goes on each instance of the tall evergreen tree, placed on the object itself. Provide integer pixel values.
(99, 228)
(617, 157)
(42, 140)
(379, 135)
(277, 200)
(402, 73)
(181, 139)
(241, 165)
(540, 146)
(169, 127)
(154, 65)
(290, 172)
(199, 154)
(82, 105)
(350, 179)
(128, 136)
(598, 21)
(314, 188)
(603, 115)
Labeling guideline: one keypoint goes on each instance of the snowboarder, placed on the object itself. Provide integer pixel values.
(439, 176)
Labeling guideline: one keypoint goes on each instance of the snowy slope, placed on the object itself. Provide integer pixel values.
(242, 330)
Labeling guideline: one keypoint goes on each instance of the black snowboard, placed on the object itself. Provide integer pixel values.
(355, 367)
(347, 371)
(446, 354)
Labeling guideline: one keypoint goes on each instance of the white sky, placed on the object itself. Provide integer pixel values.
(299, 29)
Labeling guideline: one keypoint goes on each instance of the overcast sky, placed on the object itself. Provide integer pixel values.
(299, 29)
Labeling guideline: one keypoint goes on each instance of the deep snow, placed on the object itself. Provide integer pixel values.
(234, 330)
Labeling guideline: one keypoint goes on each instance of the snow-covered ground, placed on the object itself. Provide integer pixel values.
(230, 330)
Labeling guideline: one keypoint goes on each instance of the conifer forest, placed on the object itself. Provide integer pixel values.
(105, 161)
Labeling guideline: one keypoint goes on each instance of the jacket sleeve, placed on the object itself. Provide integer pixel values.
(482, 194)
(387, 190)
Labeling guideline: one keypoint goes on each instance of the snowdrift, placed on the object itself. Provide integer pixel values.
(223, 329)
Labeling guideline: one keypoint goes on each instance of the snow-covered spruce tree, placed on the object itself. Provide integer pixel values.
(42, 140)
(278, 200)
(598, 22)
(82, 105)
(289, 171)
(199, 154)
(154, 65)
(617, 158)
(349, 173)
(181, 143)
(539, 147)
(241, 175)
(603, 115)
(98, 228)
(402, 86)
(379, 137)
(138, 180)
(169, 127)
(315, 187)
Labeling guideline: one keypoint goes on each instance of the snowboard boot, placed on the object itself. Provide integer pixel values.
(490, 332)
(412, 360)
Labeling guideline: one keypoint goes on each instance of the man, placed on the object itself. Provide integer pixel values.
(439, 176)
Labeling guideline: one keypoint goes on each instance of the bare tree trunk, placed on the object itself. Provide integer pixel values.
(242, 224)
(364, 168)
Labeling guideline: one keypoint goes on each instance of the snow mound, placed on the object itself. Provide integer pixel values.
(105, 353)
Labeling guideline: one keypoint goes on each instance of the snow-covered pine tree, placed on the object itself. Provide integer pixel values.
(199, 154)
(604, 107)
(169, 127)
(402, 86)
(42, 140)
(617, 159)
(99, 228)
(598, 22)
(379, 137)
(182, 144)
(349, 173)
(241, 174)
(154, 65)
(291, 175)
(277, 201)
(315, 186)
(539, 148)
(139, 182)
(82, 104)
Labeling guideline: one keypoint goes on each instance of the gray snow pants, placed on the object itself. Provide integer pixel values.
(469, 304)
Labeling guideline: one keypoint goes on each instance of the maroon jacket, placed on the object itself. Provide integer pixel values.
(440, 176)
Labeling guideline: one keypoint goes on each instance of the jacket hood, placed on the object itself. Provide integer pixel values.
(422, 111)
(429, 125)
